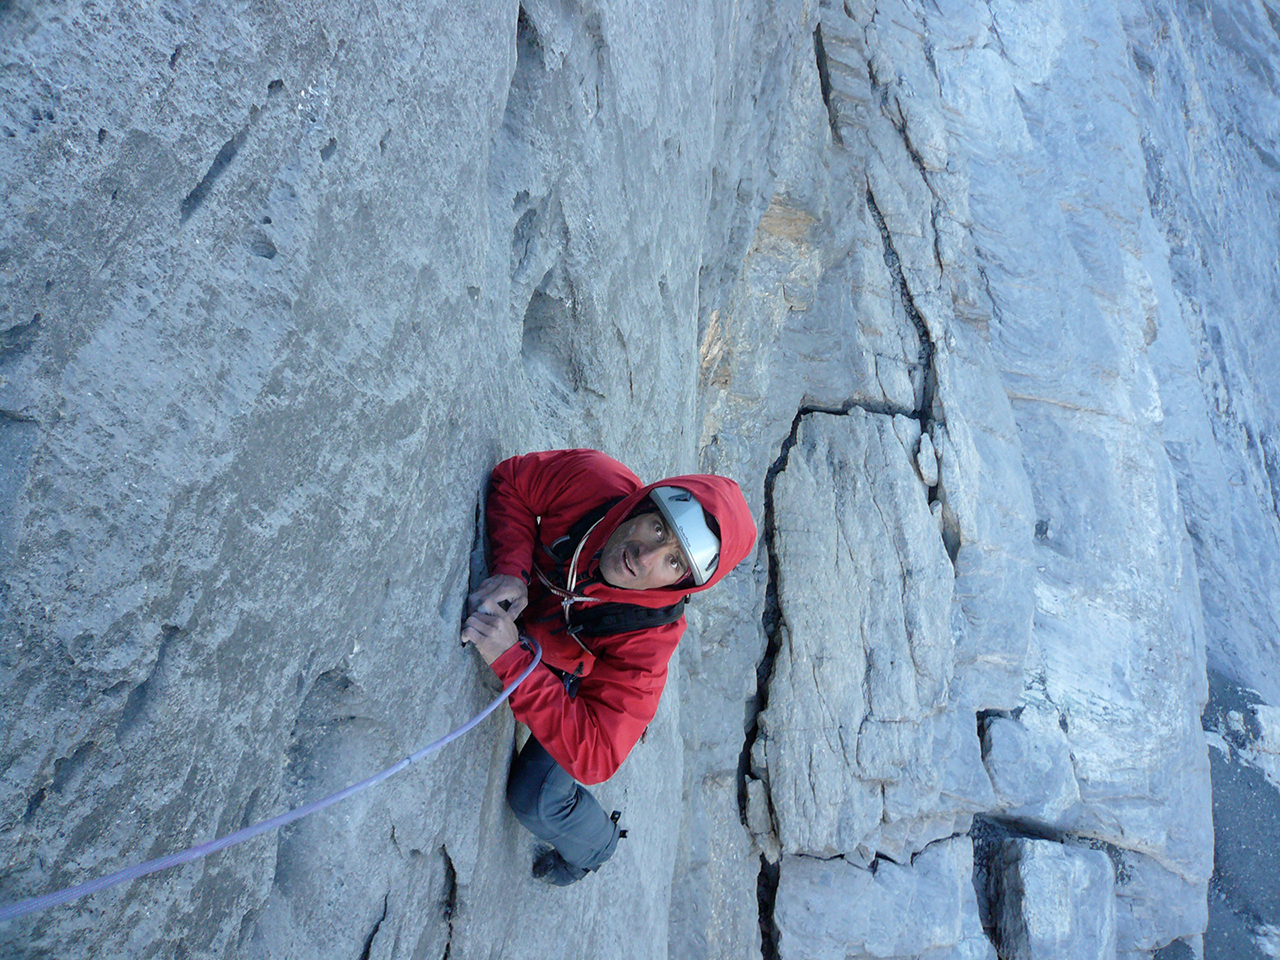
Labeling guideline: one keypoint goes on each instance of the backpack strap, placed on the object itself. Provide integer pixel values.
(563, 548)
(606, 619)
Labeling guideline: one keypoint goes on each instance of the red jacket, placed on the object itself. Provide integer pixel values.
(536, 499)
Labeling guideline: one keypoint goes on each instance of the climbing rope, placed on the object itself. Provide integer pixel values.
(23, 907)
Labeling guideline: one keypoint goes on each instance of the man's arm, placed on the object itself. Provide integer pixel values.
(590, 734)
(522, 490)
(553, 483)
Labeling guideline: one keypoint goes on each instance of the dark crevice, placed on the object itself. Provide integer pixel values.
(767, 881)
(878, 89)
(984, 718)
(772, 618)
(937, 238)
(368, 941)
(880, 858)
(767, 894)
(880, 92)
(772, 621)
(197, 196)
(927, 387)
(925, 358)
(931, 843)
(880, 408)
(894, 116)
(449, 905)
(33, 805)
(989, 831)
(929, 59)
(824, 81)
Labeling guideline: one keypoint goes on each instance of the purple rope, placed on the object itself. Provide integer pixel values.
(23, 907)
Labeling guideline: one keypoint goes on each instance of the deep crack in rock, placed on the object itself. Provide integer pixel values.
(767, 881)
(221, 161)
(449, 906)
(824, 81)
(924, 413)
(772, 619)
(767, 894)
(368, 942)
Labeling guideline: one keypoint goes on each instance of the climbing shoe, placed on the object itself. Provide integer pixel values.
(550, 867)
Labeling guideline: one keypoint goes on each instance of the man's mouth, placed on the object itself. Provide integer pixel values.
(626, 562)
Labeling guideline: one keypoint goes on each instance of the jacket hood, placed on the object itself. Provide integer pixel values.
(721, 498)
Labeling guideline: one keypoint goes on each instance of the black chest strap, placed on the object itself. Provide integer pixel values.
(606, 619)
(563, 548)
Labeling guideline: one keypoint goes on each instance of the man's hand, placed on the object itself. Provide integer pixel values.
(492, 630)
(497, 590)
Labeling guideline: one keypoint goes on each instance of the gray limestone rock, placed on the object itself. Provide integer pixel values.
(1054, 902)
(1031, 772)
(834, 910)
(975, 299)
(865, 652)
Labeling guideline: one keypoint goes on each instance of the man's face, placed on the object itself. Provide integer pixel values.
(643, 553)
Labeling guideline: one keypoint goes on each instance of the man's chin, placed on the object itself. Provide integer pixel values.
(617, 575)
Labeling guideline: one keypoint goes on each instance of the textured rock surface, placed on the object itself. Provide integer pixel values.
(835, 910)
(855, 727)
(975, 299)
(1055, 901)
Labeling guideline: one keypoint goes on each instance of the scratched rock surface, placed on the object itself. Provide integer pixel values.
(973, 297)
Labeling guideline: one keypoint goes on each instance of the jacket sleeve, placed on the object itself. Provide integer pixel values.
(524, 488)
(590, 734)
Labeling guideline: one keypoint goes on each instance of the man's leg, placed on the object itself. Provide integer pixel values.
(554, 806)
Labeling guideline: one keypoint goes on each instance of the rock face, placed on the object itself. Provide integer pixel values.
(856, 744)
(831, 910)
(1054, 901)
(973, 298)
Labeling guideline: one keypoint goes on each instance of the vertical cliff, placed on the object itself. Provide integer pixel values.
(974, 298)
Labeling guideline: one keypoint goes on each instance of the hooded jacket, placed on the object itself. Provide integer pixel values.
(534, 501)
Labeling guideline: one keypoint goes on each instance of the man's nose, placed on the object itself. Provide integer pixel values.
(648, 553)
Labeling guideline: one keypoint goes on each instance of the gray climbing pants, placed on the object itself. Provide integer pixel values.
(558, 809)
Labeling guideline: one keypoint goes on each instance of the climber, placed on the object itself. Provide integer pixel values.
(597, 567)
